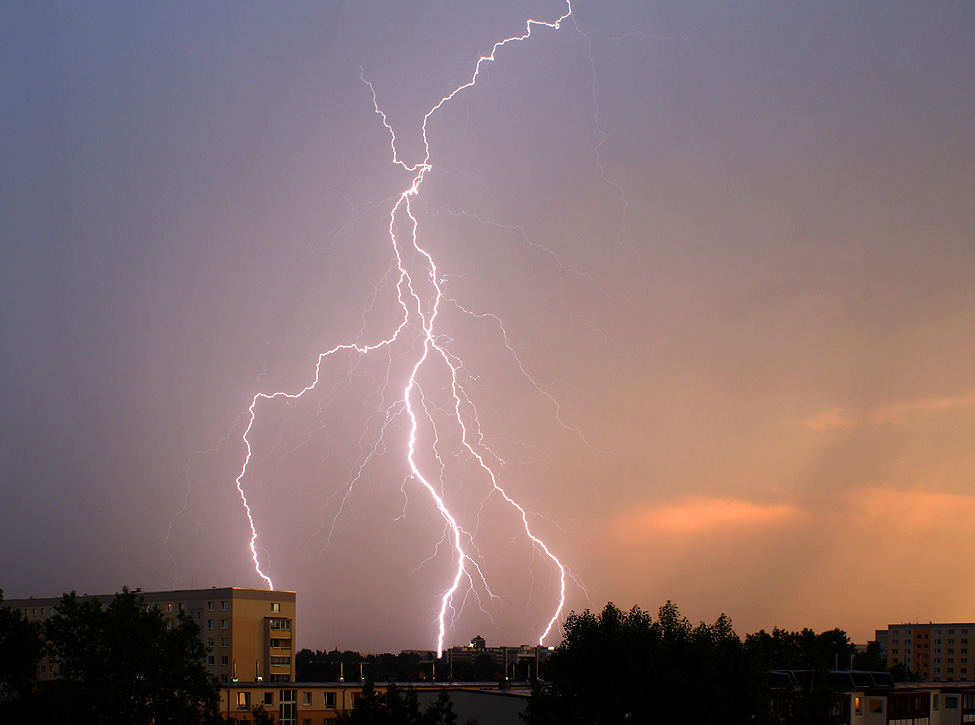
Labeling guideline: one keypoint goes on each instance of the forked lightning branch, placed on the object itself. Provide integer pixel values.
(419, 298)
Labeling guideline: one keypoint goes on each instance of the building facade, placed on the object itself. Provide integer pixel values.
(934, 652)
(250, 633)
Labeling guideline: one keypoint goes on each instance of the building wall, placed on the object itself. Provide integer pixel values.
(238, 625)
(939, 652)
(320, 703)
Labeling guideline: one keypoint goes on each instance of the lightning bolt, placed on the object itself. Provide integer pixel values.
(420, 296)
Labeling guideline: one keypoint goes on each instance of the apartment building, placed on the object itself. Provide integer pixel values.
(250, 632)
(935, 652)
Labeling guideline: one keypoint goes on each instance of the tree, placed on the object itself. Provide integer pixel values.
(397, 707)
(125, 663)
(261, 716)
(21, 649)
(624, 667)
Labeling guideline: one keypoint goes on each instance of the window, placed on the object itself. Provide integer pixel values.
(169, 607)
(224, 660)
(182, 607)
(329, 700)
(876, 706)
(857, 706)
(224, 624)
(306, 721)
(306, 698)
(211, 642)
(209, 606)
(279, 678)
(281, 624)
(286, 710)
(224, 606)
(281, 661)
(280, 642)
(951, 702)
(209, 624)
(225, 641)
(243, 701)
(169, 624)
(211, 660)
(268, 698)
(275, 607)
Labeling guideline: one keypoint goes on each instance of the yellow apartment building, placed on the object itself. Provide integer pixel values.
(250, 632)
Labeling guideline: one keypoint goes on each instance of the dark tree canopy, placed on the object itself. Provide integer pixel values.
(802, 650)
(21, 648)
(397, 707)
(126, 664)
(626, 667)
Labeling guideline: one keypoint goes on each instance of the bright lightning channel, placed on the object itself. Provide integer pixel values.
(465, 566)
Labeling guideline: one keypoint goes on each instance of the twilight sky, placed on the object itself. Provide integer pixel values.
(707, 280)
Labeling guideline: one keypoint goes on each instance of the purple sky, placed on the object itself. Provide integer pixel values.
(707, 273)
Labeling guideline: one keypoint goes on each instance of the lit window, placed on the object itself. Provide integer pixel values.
(169, 607)
(243, 701)
(275, 607)
(857, 706)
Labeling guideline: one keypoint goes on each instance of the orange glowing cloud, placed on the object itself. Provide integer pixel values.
(894, 414)
(699, 514)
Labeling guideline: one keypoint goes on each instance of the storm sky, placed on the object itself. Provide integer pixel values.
(707, 279)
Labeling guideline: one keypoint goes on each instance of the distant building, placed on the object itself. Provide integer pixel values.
(935, 652)
(506, 659)
(250, 632)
